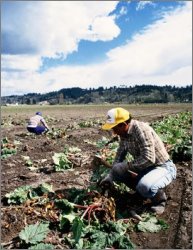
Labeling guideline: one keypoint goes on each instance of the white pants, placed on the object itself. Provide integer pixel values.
(149, 181)
(155, 179)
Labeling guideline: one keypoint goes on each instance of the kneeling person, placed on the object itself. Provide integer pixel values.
(37, 124)
(154, 169)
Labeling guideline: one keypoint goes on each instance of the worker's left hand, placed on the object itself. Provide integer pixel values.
(106, 183)
(122, 168)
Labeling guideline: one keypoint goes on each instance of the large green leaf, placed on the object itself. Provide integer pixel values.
(151, 224)
(34, 233)
(77, 228)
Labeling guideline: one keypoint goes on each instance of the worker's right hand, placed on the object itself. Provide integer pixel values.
(106, 183)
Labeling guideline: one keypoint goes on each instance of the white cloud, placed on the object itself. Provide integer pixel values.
(21, 62)
(48, 27)
(161, 48)
(102, 28)
(160, 54)
(142, 4)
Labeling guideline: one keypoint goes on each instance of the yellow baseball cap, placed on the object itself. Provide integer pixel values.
(114, 117)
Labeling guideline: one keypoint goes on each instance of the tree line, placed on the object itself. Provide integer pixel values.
(122, 94)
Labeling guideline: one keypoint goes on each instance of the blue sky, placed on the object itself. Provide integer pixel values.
(49, 45)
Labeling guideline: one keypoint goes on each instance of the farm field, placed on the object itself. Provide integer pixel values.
(77, 130)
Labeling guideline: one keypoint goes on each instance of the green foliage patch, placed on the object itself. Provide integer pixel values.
(7, 148)
(151, 224)
(175, 132)
(23, 193)
(99, 236)
(61, 162)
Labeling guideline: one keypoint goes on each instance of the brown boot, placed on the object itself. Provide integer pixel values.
(159, 202)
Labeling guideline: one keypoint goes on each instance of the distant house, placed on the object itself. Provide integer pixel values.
(12, 104)
(44, 103)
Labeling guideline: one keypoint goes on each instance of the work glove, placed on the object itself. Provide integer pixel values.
(107, 182)
(121, 168)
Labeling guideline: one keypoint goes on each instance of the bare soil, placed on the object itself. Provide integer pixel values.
(14, 173)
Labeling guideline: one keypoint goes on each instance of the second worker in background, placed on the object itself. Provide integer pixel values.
(37, 124)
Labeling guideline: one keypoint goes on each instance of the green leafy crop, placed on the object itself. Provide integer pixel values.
(23, 193)
(151, 224)
(61, 161)
(19, 195)
(99, 236)
(7, 148)
(34, 233)
(175, 132)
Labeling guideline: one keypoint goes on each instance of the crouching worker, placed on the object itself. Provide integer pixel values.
(154, 170)
(37, 124)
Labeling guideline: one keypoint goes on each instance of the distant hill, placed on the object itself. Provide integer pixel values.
(123, 94)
